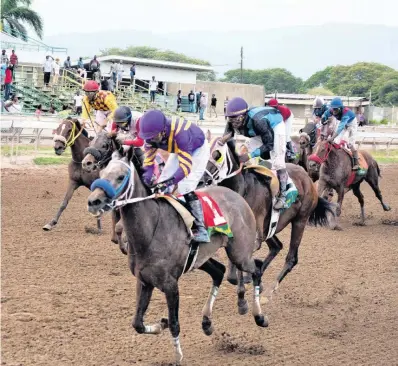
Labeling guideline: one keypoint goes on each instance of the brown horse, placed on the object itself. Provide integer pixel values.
(335, 171)
(70, 133)
(223, 169)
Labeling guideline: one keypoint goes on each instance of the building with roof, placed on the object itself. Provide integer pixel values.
(301, 104)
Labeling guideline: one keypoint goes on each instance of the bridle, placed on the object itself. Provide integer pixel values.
(317, 159)
(224, 165)
(101, 157)
(73, 136)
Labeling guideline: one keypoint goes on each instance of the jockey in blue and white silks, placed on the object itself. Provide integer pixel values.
(189, 154)
(346, 130)
(265, 127)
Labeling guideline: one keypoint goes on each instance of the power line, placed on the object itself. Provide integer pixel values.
(241, 65)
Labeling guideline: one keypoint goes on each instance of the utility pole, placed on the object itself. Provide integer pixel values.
(241, 65)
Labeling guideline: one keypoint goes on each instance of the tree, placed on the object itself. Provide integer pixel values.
(319, 79)
(15, 14)
(320, 91)
(385, 89)
(276, 79)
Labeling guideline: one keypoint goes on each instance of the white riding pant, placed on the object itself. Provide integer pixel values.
(101, 118)
(348, 135)
(200, 157)
(288, 127)
(279, 151)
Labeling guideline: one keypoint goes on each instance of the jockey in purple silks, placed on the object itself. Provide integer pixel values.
(189, 154)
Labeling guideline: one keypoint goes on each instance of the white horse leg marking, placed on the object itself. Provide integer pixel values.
(256, 301)
(208, 307)
(154, 329)
(177, 349)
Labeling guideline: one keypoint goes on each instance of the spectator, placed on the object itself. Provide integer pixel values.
(78, 103)
(111, 85)
(56, 67)
(120, 71)
(14, 63)
(3, 74)
(7, 82)
(94, 64)
(47, 69)
(213, 105)
(202, 106)
(153, 86)
(4, 58)
(179, 100)
(225, 107)
(208, 135)
(191, 101)
(39, 111)
(112, 71)
(52, 110)
(132, 73)
(80, 63)
(12, 106)
(67, 63)
(198, 96)
(105, 84)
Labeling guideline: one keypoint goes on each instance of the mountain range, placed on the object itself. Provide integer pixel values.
(303, 50)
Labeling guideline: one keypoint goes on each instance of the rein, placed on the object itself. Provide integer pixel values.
(72, 137)
(319, 160)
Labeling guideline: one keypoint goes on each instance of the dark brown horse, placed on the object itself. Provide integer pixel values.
(255, 188)
(335, 172)
(70, 133)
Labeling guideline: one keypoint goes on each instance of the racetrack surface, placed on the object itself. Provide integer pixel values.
(68, 297)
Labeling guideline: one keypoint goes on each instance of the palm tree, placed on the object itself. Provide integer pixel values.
(14, 13)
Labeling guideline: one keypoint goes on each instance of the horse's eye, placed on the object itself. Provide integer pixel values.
(120, 178)
(104, 146)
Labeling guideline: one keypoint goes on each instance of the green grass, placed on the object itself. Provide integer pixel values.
(51, 160)
(30, 148)
(385, 156)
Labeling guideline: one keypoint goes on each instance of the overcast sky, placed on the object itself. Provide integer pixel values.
(162, 16)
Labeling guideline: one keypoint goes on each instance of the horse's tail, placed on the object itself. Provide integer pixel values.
(319, 216)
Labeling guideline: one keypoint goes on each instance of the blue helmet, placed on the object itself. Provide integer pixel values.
(336, 103)
(236, 107)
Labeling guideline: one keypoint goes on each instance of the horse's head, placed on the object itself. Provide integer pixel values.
(319, 156)
(99, 152)
(66, 134)
(115, 181)
(221, 163)
(304, 139)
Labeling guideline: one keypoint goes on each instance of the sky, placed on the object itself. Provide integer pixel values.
(164, 16)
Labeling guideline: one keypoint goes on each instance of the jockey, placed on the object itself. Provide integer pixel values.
(103, 102)
(265, 127)
(189, 154)
(319, 108)
(288, 119)
(124, 121)
(347, 128)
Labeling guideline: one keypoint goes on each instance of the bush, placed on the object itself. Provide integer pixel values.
(383, 121)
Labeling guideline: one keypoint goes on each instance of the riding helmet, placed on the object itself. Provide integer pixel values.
(122, 115)
(336, 103)
(236, 107)
(273, 102)
(152, 123)
(91, 85)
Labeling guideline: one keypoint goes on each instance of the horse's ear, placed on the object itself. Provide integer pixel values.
(77, 123)
(216, 155)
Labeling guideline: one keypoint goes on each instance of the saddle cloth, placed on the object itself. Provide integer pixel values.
(213, 218)
(291, 191)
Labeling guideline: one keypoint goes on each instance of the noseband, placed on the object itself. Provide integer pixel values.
(317, 159)
(72, 136)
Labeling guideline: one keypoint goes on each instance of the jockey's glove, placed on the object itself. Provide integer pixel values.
(162, 186)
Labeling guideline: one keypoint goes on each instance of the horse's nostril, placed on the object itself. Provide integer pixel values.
(96, 202)
(88, 163)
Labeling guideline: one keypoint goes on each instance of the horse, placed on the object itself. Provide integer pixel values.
(334, 167)
(159, 244)
(307, 140)
(70, 133)
(223, 169)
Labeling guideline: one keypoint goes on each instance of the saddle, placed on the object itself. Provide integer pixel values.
(363, 165)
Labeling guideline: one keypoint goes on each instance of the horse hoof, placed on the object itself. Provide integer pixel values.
(207, 326)
(261, 320)
(243, 308)
(360, 223)
(114, 240)
(338, 228)
(47, 227)
(386, 208)
(164, 323)
(232, 280)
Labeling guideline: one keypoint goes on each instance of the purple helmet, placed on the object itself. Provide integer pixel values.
(236, 107)
(152, 123)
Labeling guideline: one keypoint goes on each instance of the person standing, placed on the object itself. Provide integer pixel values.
(56, 67)
(112, 72)
(4, 58)
(67, 63)
(78, 103)
(13, 62)
(47, 69)
(179, 100)
(198, 96)
(7, 82)
(202, 106)
(132, 73)
(80, 63)
(225, 107)
(213, 105)
(153, 87)
(191, 100)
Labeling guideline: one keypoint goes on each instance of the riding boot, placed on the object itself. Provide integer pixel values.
(355, 163)
(201, 235)
(281, 200)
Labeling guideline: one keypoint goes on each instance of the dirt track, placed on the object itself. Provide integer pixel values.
(68, 297)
